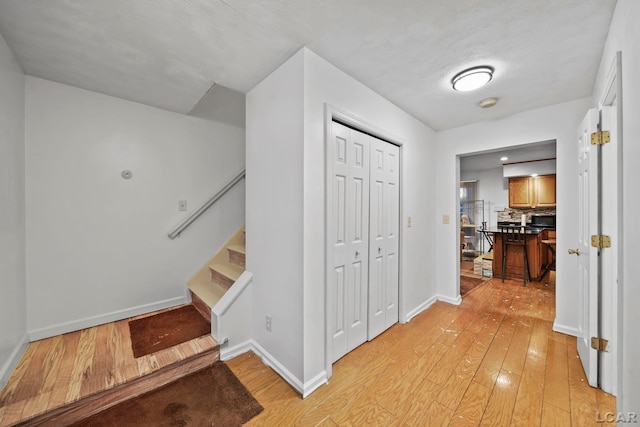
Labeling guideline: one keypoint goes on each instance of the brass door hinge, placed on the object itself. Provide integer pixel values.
(601, 137)
(599, 344)
(601, 241)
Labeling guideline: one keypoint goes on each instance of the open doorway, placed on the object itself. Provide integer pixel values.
(488, 201)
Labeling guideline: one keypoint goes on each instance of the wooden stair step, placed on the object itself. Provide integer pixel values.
(92, 404)
(237, 254)
(225, 274)
(207, 292)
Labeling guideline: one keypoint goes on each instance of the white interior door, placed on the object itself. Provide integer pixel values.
(383, 236)
(588, 256)
(349, 230)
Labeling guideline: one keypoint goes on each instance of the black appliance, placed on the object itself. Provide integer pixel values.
(545, 222)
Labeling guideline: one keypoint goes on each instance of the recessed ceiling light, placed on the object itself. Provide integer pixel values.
(534, 175)
(473, 78)
(504, 159)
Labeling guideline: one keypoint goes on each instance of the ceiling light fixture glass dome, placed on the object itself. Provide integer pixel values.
(472, 78)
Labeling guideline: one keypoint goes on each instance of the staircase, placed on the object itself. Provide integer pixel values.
(213, 280)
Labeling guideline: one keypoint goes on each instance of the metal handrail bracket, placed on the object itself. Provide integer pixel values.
(202, 209)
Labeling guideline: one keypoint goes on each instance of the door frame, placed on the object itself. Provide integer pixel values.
(610, 311)
(333, 113)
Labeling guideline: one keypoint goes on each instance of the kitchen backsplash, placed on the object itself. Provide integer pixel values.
(510, 214)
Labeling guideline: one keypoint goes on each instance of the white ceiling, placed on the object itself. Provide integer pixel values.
(523, 153)
(168, 53)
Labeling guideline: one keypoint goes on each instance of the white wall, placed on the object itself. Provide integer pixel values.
(557, 122)
(324, 83)
(623, 36)
(12, 211)
(286, 212)
(493, 188)
(97, 246)
(274, 238)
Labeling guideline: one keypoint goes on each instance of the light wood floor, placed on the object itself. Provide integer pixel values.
(63, 369)
(492, 361)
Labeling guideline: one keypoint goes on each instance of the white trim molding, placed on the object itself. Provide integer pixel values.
(419, 309)
(449, 300)
(88, 322)
(274, 364)
(12, 362)
(228, 353)
(569, 330)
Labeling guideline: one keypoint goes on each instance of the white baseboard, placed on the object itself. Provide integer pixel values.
(88, 322)
(565, 329)
(315, 382)
(12, 362)
(419, 309)
(227, 353)
(272, 362)
(454, 301)
(304, 389)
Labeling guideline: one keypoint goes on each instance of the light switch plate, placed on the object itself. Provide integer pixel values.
(445, 219)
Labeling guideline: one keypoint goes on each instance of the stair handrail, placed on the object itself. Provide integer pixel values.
(187, 222)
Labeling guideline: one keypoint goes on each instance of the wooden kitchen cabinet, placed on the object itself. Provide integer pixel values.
(532, 192)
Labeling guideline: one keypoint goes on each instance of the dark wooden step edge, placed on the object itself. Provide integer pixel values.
(201, 306)
(98, 402)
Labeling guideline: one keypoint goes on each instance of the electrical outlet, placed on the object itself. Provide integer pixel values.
(409, 221)
(182, 205)
(445, 219)
(268, 322)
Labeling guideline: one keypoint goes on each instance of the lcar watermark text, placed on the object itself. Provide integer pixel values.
(620, 417)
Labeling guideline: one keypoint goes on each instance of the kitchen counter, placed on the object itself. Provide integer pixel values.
(527, 230)
(537, 254)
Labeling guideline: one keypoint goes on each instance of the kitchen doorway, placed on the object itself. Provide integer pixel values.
(484, 185)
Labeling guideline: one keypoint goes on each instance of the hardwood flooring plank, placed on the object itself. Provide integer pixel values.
(102, 375)
(65, 370)
(53, 360)
(8, 394)
(454, 389)
(448, 362)
(584, 405)
(528, 408)
(34, 376)
(82, 363)
(552, 416)
(556, 377)
(436, 414)
(471, 408)
(503, 398)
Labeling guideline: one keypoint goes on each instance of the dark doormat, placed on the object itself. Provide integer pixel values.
(467, 284)
(211, 397)
(164, 330)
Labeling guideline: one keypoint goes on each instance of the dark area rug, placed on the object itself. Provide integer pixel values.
(211, 397)
(166, 329)
(469, 283)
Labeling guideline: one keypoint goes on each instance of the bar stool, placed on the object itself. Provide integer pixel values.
(514, 236)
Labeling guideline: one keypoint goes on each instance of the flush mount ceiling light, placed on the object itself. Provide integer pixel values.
(472, 79)
(504, 159)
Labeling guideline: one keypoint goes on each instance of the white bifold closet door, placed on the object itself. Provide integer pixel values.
(363, 234)
(384, 205)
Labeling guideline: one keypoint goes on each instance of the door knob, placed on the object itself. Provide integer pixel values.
(574, 252)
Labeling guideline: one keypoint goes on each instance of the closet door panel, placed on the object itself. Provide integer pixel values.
(349, 228)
